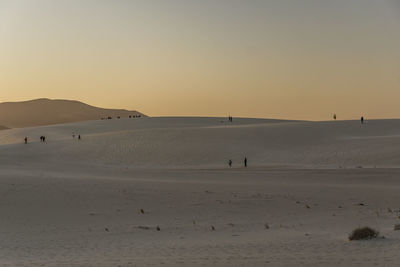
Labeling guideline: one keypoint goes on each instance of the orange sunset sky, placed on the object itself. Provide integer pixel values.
(299, 59)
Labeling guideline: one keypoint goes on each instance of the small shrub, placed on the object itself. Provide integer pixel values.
(363, 233)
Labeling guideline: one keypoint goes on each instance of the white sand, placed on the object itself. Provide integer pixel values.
(77, 203)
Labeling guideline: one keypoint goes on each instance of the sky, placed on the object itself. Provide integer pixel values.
(289, 59)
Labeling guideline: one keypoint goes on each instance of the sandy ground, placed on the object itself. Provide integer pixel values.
(99, 201)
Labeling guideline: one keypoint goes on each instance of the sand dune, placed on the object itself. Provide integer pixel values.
(45, 112)
(210, 143)
(158, 191)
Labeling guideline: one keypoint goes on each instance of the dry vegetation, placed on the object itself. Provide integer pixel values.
(363, 233)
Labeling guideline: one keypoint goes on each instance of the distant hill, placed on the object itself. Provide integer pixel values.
(44, 111)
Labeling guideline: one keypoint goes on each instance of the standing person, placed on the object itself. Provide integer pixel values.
(44, 138)
(245, 162)
(230, 163)
(26, 140)
(362, 120)
(79, 137)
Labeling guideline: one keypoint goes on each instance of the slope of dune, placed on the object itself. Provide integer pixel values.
(211, 142)
(45, 112)
(159, 192)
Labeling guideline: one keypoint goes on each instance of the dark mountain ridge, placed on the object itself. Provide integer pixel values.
(45, 111)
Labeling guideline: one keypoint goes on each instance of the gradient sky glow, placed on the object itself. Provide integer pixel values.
(298, 59)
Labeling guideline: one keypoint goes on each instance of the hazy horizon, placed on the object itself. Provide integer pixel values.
(301, 60)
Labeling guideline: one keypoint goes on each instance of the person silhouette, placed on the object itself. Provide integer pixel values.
(245, 161)
(362, 120)
(26, 140)
(230, 163)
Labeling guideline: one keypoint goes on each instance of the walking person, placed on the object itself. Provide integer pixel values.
(230, 163)
(245, 162)
(362, 120)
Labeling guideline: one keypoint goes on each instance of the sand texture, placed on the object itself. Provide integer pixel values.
(159, 192)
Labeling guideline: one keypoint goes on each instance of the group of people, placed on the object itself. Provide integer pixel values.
(43, 138)
(73, 136)
(230, 118)
(244, 162)
(361, 119)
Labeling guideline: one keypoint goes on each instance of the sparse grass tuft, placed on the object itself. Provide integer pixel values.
(363, 233)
